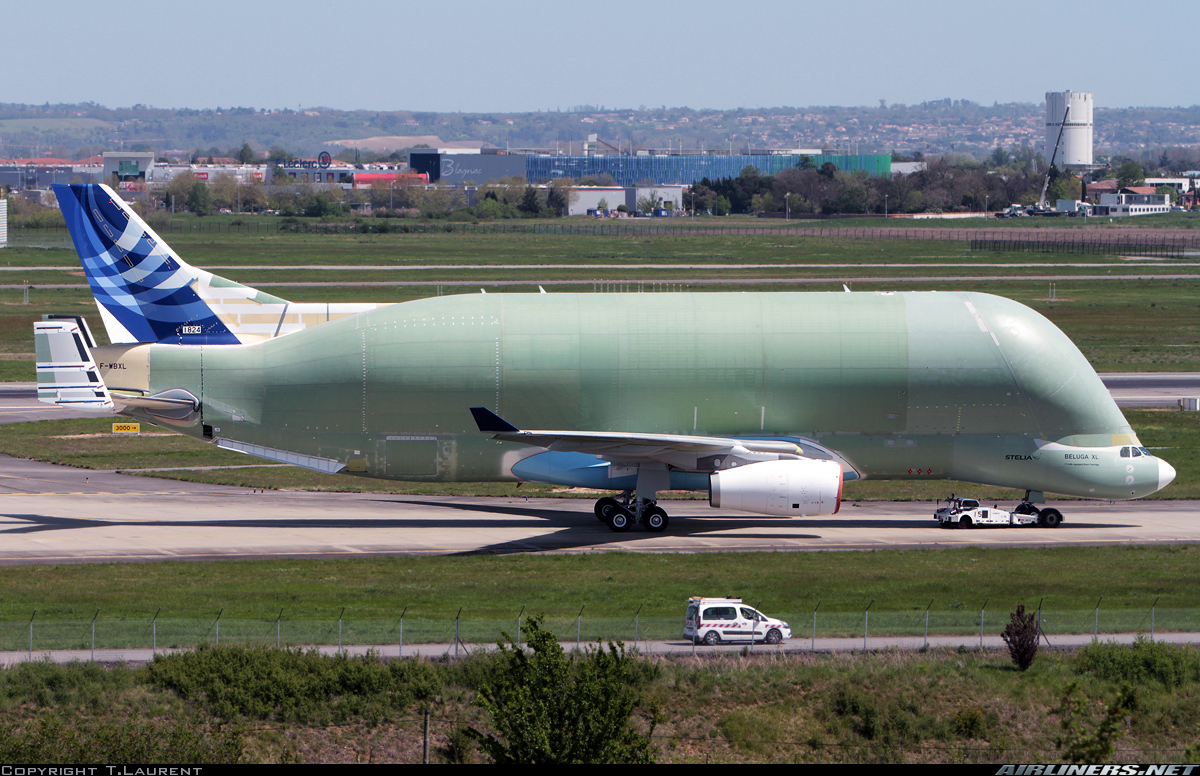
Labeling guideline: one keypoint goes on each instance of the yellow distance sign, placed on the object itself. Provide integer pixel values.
(127, 428)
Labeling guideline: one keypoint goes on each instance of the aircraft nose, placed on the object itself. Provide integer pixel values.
(1166, 473)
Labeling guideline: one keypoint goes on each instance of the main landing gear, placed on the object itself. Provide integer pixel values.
(623, 513)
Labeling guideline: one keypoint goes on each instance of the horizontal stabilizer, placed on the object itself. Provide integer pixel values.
(66, 372)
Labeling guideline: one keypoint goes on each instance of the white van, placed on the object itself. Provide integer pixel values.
(718, 620)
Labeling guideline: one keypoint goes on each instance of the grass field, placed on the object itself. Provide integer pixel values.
(613, 584)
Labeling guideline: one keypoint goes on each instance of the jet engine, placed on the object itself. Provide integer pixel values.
(787, 488)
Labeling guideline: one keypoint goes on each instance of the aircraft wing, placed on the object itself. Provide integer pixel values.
(697, 453)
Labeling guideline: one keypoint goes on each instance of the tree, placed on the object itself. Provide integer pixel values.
(1130, 174)
(246, 154)
(199, 200)
(560, 196)
(551, 708)
(648, 203)
(531, 204)
(1021, 636)
(224, 190)
(1171, 192)
(1081, 746)
(176, 192)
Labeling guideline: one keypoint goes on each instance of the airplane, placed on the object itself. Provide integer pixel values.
(769, 402)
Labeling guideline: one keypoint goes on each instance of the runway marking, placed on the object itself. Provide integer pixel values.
(114, 493)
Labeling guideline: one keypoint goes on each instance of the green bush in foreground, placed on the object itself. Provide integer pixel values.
(46, 738)
(293, 685)
(1143, 661)
(550, 708)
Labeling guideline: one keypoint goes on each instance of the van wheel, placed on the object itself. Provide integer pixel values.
(774, 636)
(712, 638)
(1050, 518)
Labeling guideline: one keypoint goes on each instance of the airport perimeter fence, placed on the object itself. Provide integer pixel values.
(1099, 244)
(1101, 240)
(40, 634)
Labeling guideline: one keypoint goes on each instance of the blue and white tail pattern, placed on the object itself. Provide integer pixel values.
(144, 291)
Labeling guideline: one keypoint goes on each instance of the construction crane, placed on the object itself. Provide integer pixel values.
(1054, 155)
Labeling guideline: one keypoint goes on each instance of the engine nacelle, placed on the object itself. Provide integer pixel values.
(787, 488)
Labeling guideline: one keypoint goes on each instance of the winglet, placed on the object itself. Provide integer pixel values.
(491, 423)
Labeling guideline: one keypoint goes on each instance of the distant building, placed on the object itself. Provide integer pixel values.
(1133, 201)
(587, 198)
(456, 167)
(40, 173)
(908, 168)
(127, 166)
(1181, 185)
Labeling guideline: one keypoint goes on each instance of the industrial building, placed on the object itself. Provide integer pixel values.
(1134, 203)
(459, 167)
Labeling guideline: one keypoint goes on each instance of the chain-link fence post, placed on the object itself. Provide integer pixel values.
(401, 652)
(813, 645)
(982, 614)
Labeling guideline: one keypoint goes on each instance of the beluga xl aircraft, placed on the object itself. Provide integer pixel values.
(767, 401)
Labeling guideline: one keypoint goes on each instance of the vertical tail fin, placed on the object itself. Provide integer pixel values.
(144, 291)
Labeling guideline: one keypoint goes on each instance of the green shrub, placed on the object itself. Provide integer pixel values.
(294, 685)
(47, 738)
(550, 707)
(44, 683)
(1142, 662)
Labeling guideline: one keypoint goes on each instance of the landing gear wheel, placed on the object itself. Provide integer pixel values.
(964, 522)
(655, 520)
(605, 506)
(712, 638)
(773, 636)
(1050, 518)
(619, 519)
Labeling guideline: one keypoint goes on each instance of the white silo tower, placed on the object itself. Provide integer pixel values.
(1075, 148)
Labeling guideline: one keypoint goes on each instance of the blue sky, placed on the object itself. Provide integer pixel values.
(524, 56)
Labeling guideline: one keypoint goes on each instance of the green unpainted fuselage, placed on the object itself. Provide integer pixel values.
(963, 386)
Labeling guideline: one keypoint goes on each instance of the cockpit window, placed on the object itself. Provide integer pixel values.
(1145, 451)
(1126, 453)
(1137, 452)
